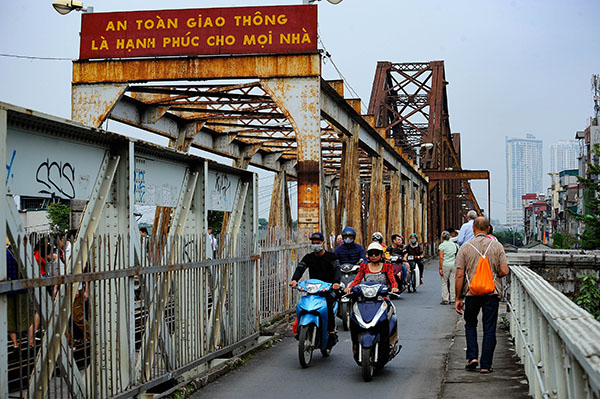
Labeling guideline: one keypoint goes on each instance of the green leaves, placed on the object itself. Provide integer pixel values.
(590, 239)
(588, 295)
(59, 216)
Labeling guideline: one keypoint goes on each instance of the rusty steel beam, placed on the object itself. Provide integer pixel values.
(410, 102)
(165, 69)
(458, 174)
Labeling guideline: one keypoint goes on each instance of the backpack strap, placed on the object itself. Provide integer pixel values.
(478, 251)
(483, 255)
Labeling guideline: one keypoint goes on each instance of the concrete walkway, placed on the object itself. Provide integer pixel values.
(508, 379)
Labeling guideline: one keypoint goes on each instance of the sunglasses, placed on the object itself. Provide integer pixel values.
(374, 253)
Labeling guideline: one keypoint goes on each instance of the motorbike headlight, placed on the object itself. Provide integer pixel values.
(369, 291)
(347, 268)
(312, 288)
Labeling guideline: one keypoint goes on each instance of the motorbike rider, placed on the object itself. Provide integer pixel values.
(379, 271)
(414, 248)
(378, 237)
(322, 265)
(398, 249)
(375, 270)
(349, 251)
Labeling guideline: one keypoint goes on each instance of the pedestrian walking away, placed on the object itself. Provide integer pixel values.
(466, 230)
(448, 250)
(480, 251)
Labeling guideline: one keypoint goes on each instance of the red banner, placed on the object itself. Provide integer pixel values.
(209, 31)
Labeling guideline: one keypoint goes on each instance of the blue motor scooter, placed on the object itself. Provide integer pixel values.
(311, 313)
(373, 327)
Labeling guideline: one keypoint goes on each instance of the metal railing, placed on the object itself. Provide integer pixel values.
(557, 341)
(116, 330)
(277, 265)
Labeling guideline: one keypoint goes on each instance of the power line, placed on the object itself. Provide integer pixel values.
(327, 55)
(31, 57)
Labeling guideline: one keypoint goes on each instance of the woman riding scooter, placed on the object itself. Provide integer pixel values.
(414, 249)
(373, 328)
(376, 270)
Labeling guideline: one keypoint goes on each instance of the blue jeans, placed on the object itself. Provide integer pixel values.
(404, 273)
(488, 304)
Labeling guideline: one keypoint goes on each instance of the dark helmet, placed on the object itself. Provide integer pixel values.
(414, 235)
(317, 237)
(349, 231)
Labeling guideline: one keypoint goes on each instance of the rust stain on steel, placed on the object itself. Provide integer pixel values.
(264, 66)
(308, 191)
(458, 174)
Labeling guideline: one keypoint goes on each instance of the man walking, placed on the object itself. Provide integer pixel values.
(466, 230)
(466, 264)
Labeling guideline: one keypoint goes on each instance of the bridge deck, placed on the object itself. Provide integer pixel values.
(508, 379)
(419, 371)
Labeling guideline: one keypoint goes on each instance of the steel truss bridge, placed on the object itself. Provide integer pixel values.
(159, 309)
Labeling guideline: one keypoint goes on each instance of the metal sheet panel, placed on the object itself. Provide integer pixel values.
(220, 190)
(157, 182)
(42, 166)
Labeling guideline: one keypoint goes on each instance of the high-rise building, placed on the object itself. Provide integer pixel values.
(524, 166)
(563, 155)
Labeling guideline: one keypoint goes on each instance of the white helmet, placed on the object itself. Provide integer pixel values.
(375, 245)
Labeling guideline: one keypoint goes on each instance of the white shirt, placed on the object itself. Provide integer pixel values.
(466, 233)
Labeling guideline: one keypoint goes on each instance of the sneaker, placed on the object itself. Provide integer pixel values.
(422, 282)
(444, 303)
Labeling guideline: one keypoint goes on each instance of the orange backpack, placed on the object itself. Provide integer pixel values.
(482, 282)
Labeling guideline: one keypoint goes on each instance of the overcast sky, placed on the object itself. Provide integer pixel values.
(514, 67)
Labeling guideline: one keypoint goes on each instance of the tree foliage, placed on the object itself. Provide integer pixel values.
(510, 237)
(59, 216)
(590, 239)
(588, 295)
(563, 240)
(215, 220)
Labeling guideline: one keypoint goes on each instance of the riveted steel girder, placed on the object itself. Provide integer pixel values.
(299, 99)
(190, 68)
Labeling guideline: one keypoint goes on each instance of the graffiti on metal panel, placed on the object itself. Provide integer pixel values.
(9, 166)
(57, 177)
(139, 187)
(222, 186)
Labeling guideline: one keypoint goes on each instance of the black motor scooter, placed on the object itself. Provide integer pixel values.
(349, 272)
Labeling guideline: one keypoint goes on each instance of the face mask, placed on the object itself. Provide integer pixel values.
(413, 241)
(348, 240)
(316, 247)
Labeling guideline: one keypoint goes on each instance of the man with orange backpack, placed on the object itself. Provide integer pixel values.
(482, 263)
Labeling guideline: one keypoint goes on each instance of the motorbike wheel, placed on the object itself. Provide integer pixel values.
(346, 317)
(305, 348)
(367, 364)
(417, 278)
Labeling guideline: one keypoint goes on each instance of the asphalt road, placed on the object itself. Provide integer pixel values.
(425, 331)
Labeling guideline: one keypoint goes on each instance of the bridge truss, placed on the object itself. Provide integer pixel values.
(409, 101)
(273, 112)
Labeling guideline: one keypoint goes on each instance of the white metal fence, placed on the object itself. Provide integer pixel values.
(277, 265)
(557, 341)
(120, 330)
